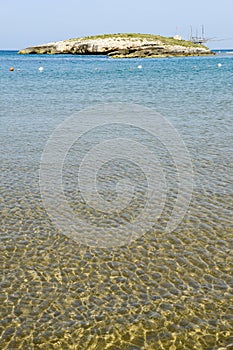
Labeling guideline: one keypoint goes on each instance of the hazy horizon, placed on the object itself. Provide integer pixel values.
(24, 23)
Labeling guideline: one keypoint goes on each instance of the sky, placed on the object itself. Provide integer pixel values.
(26, 23)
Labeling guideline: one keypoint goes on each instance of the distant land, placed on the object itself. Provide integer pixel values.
(122, 45)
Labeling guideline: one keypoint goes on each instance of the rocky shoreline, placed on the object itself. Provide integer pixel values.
(122, 45)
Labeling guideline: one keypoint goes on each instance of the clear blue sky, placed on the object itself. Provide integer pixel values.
(26, 22)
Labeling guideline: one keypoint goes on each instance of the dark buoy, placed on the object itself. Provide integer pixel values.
(11, 69)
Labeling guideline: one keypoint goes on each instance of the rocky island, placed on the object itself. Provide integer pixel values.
(122, 45)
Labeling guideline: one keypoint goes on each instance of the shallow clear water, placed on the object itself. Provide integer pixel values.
(164, 290)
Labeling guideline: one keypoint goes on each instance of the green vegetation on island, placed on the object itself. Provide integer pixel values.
(151, 37)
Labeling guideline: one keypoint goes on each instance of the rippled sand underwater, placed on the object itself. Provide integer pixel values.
(164, 291)
(171, 291)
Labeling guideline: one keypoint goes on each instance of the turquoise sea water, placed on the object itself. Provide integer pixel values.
(164, 291)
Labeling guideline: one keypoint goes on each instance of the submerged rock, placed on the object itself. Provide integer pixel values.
(122, 45)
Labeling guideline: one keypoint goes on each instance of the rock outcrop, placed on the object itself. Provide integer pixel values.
(122, 45)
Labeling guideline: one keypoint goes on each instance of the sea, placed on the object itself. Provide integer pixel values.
(70, 286)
